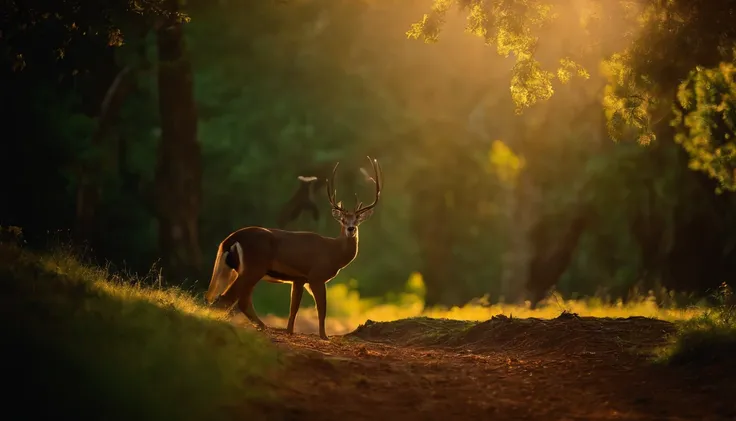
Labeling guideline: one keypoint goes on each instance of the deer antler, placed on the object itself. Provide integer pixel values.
(331, 191)
(377, 181)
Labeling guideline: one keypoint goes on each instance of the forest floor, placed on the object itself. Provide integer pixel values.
(568, 368)
(78, 331)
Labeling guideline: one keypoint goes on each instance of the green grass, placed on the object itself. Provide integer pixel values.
(710, 337)
(346, 309)
(83, 344)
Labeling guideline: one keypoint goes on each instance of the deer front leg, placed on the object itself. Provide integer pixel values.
(319, 292)
(297, 290)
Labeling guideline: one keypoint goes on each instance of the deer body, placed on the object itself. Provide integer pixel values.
(301, 258)
(290, 255)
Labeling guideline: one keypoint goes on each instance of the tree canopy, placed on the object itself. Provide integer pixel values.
(36, 32)
(677, 63)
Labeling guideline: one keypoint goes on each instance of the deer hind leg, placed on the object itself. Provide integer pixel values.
(246, 282)
(297, 290)
(319, 292)
(230, 296)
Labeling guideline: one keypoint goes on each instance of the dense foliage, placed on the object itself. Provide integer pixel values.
(479, 178)
(679, 57)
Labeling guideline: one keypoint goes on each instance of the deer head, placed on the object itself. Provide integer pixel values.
(349, 219)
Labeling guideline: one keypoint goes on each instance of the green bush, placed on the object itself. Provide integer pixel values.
(709, 337)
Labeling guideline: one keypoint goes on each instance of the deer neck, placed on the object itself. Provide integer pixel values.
(347, 246)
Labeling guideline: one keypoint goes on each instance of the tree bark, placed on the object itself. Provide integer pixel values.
(88, 187)
(178, 178)
(540, 261)
(523, 204)
(552, 256)
(436, 246)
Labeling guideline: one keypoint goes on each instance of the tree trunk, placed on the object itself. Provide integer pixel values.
(523, 204)
(552, 256)
(543, 259)
(436, 241)
(178, 190)
(90, 173)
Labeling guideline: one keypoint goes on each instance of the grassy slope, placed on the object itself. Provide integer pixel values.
(84, 345)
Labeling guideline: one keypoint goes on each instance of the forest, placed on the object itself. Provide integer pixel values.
(575, 148)
(555, 238)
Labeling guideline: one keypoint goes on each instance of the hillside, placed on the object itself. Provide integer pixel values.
(94, 346)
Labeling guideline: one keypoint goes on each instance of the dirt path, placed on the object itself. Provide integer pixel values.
(569, 368)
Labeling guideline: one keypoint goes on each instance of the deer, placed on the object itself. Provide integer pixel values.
(300, 258)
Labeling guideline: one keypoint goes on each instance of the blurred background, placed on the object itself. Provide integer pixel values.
(150, 153)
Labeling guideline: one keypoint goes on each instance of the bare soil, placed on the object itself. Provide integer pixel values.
(569, 368)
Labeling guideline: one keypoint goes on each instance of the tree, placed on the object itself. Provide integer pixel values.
(178, 182)
(676, 38)
(62, 52)
(662, 59)
(74, 41)
(35, 31)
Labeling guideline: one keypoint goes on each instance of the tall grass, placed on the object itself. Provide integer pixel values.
(85, 344)
(347, 309)
(703, 332)
(709, 337)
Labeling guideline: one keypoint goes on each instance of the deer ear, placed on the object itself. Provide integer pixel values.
(365, 215)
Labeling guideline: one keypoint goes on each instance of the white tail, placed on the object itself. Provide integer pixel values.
(223, 274)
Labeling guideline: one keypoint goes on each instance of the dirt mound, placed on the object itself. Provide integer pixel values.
(567, 333)
(432, 369)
